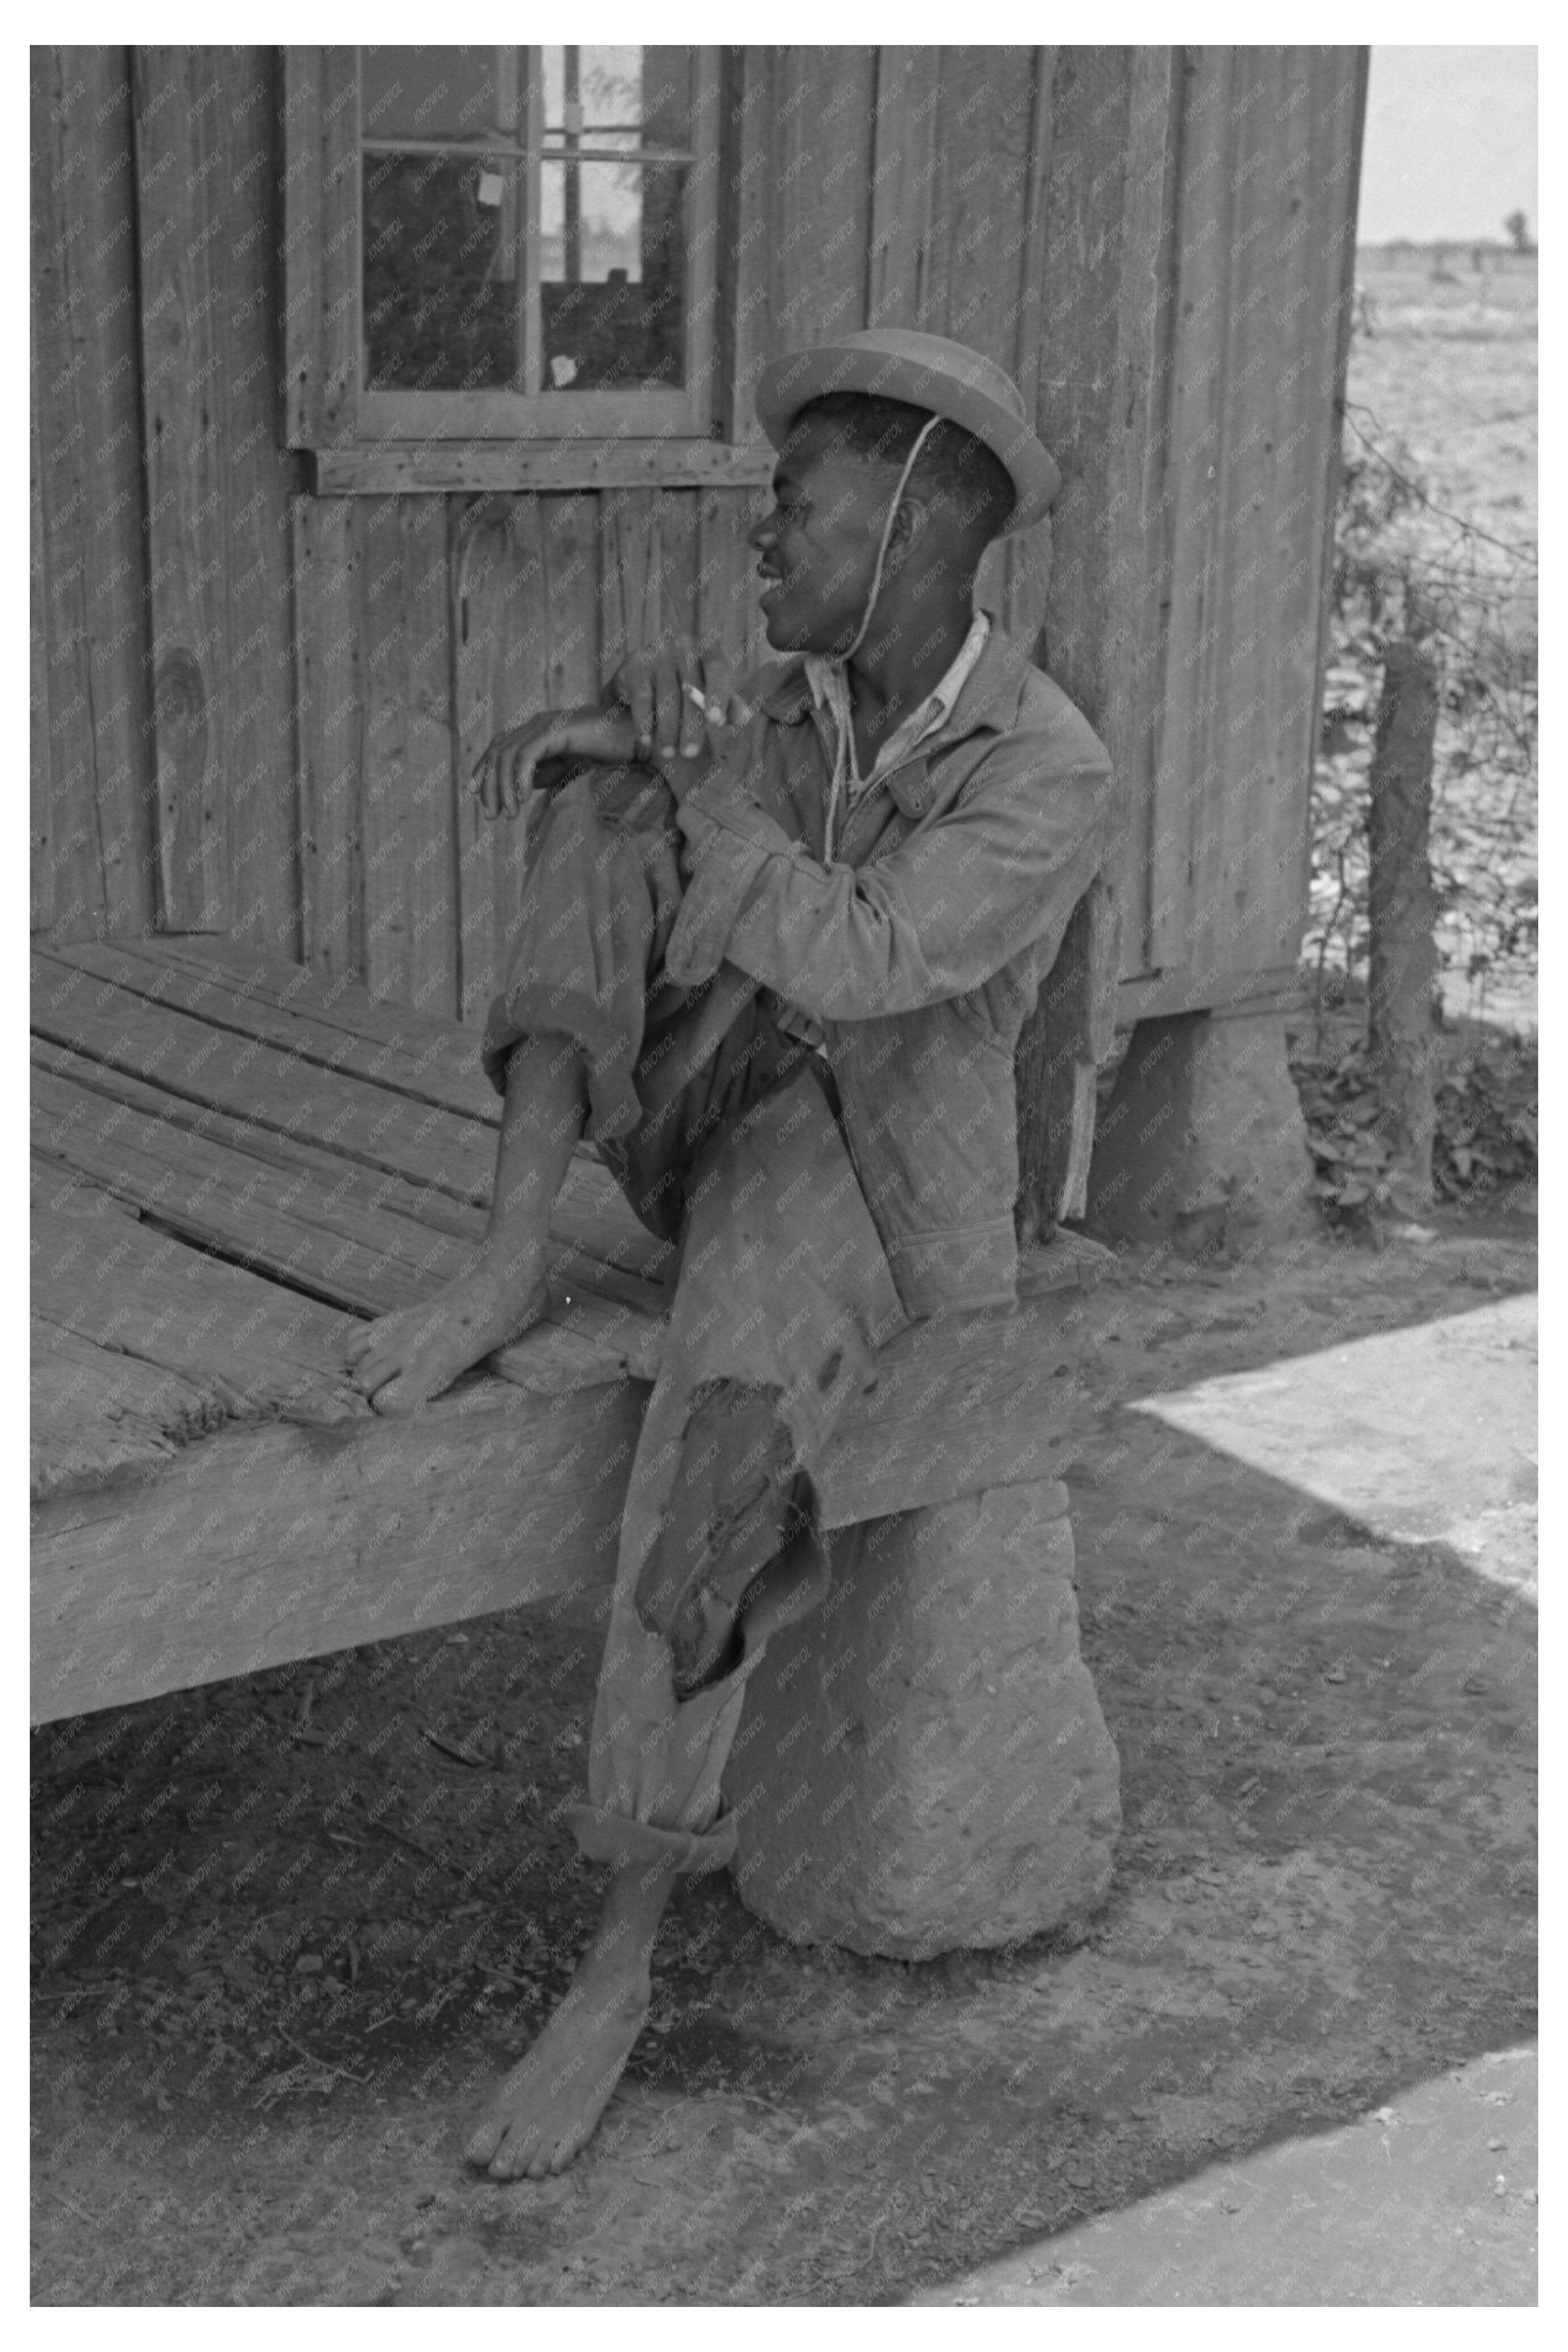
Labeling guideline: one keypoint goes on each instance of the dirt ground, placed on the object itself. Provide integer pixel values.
(286, 1929)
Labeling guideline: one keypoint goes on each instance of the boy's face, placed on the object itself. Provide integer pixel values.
(819, 545)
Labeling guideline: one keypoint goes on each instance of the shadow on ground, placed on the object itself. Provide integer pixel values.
(286, 1930)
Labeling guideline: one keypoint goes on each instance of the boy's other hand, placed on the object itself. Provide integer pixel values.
(503, 777)
(680, 700)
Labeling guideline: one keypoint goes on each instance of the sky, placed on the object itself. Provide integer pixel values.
(1451, 143)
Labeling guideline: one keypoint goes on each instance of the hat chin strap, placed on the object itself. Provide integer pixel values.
(930, 424)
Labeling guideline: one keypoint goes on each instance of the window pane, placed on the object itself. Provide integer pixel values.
(613, 271)
(436, 93)
(593, 93)
(440, 291)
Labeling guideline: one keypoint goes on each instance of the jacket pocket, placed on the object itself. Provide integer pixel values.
(930, 1113)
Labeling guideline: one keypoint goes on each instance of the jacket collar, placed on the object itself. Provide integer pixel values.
(988, 702)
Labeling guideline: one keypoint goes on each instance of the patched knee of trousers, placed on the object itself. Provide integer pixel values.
(737, 1501)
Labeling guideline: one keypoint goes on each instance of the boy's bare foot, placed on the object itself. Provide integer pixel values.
(543, 2113)
(401, 1360)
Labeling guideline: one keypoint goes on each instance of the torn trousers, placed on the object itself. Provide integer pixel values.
(724, 1134)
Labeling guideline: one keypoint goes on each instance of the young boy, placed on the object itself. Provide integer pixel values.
(775, 969)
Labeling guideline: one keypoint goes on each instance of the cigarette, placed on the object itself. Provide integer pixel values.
(711, 710)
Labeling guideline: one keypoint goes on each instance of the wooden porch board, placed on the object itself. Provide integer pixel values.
(251, 1346)
(93, 1412)
(338, 1026)
(586, 1220)
(263, 1083)
(271, 1543)
(204, 1183)
(328, 1230)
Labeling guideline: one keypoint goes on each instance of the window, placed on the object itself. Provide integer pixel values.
(527, 234)
(505, 245)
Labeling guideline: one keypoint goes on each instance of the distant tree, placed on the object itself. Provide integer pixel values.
(1517, 227)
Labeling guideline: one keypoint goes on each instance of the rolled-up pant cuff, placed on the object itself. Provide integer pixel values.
(624, 1842)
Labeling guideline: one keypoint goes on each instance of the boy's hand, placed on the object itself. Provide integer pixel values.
(503, 777)
(680, 702)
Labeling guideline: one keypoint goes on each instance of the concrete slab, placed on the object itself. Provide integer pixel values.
(1422, 1435)
(1428, 2201)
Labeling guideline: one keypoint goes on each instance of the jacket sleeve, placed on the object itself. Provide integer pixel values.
(936, 918)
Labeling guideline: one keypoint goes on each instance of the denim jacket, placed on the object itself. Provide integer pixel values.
(921, 950)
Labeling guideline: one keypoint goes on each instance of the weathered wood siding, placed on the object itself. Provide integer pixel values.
(259, 710)
(164, 734)
(92, 782)
(1259, 286)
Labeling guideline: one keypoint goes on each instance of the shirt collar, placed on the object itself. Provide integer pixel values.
(828, 686)
(992, 692)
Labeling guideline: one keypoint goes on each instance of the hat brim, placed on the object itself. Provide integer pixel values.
(786, 385)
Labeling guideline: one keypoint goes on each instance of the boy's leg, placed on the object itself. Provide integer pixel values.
(544, 2111)
(404, 1360)
(785, 1297)
(601, 895)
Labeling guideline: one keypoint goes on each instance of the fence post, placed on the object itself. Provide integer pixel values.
(1403, 1012)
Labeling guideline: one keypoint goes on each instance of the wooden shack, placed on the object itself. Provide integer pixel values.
(380, 397)
(318, 502)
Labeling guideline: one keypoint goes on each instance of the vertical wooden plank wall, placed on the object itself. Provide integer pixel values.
(407, 815)
(329, 718)
(1100, 407)
(1263, 230)
(92, 815)
(180, 218)
(217, 486)
(40, 732)
(1106, 307)
(746, 97)
(261, 482)
(499, 632)
(166, 619)
(956, 243)
(819, 178)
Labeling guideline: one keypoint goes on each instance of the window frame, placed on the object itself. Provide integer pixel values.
(488, 440)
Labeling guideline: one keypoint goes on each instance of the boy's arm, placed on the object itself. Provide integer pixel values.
(504, 773)
(934, 918)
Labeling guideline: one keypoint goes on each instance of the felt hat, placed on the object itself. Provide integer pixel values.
(929, 372)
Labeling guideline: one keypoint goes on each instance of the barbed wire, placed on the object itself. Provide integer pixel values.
(1525, 547)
